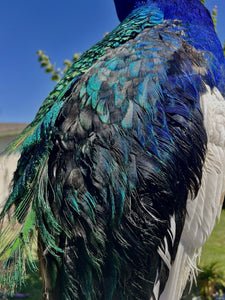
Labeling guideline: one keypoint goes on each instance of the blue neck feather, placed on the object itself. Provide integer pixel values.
(184, 10)
(195, 17)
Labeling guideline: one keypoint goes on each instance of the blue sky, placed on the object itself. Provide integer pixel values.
(58, 27)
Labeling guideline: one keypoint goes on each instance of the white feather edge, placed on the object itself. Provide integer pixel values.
(206, 207)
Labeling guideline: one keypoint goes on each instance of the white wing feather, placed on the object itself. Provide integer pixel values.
(206, 207)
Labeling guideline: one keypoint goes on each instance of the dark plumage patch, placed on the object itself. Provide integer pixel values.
(129, 147)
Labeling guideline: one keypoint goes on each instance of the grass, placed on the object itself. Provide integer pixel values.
(32, 287)
(212, 258)
(214, 248)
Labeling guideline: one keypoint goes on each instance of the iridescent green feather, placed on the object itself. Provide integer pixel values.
(29, 199)
(17, 244)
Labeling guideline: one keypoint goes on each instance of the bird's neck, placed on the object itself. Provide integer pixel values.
(184, 10)
(195, 18)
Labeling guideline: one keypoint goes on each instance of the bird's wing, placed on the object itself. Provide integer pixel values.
(129, 147)
(106, 172)
(134, 128)
(206, 207)
(36, 143)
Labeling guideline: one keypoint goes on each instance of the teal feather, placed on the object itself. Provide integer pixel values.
(29, 196)
(94, 99)
(127, 121)
(34, 160)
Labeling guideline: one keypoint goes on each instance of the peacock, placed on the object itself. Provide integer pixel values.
(122, 172)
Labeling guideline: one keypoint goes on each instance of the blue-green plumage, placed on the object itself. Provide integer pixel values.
(111, 156)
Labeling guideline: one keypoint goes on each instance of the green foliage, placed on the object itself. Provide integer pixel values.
(33, 286)
(214, 15)
(212, 250)
(215, 245)
(211, 281)
(56, 73)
